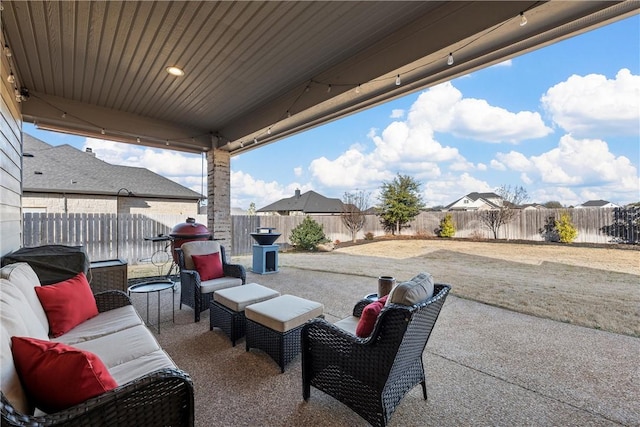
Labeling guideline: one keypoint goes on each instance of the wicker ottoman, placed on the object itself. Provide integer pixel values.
(274, 326)
(226, 311)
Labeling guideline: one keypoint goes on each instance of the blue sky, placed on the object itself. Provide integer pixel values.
(562, 121)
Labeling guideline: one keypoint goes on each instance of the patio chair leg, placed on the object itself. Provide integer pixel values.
(424, 389)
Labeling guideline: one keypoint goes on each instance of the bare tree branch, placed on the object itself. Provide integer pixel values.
(354, 206)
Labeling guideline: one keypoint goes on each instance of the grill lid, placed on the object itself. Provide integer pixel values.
(190, 228)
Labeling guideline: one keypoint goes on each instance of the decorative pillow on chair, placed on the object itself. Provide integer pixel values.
(58, 376)
(418, 289)
(368, 317)
(208, 266)
(67, 304)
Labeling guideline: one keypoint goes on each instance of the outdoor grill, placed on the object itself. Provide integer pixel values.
(187, 232)
(265, 253)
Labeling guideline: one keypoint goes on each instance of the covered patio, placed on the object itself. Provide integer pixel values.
(227, 77)
(484, 365)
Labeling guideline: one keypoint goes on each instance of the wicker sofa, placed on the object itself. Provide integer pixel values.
(149, 391)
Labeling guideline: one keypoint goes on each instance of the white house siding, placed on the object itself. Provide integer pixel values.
(10, 165)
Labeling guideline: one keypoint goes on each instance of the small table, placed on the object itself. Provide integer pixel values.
(155, 286)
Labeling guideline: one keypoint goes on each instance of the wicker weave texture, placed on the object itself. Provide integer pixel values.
(281, 347)
(190, 283)
(106, 278)
(231, 322)
(371, 375)
(161, 398)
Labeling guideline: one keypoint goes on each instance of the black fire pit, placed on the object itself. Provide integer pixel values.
(265, 236)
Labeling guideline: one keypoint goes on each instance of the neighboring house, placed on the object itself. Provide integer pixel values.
(309, 203)
(476, 202)
(531, 206)
(597, 204)
(63, 179)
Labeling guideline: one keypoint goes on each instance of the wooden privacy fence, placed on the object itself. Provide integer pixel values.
(97, 232)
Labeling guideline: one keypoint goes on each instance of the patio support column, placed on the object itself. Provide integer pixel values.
(219, 196)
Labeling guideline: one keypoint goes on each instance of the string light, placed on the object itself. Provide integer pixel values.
(358, 88)
(450, 59)
(241, 144)
(11, 78)
(523, 19)
(329, 89)
(398, 81)
(64, 115)
(138, 140)
(7, 51)
(269, 131)
(102, 131)
(255, 141)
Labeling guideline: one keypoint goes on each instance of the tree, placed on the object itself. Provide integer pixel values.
(567, 232)
(494, 219)
(400, 202)
(252, 209)
(308, 234)
(447, 227)
(353, 216)
(552, 204)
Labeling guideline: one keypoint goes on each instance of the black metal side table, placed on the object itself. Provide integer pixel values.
(155, 286)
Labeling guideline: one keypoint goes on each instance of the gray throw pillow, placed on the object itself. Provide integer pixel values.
(418, 289)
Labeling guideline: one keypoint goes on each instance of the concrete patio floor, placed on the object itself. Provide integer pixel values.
(484, 366)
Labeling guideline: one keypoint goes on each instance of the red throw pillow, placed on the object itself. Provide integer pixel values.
(208, 266)
(58, 376)
(368, 317)
(67, 304)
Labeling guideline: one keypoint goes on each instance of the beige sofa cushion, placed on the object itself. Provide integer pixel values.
(121, 347)
(103, 324)
(9, 380)
(213, 285)
(199, 247)
(140, 366)
(24, 278)
(418, 289)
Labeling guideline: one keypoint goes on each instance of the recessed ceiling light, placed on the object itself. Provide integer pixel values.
(175, 71)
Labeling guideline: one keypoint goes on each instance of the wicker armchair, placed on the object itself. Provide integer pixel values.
(160, 398)
(194, 292)
(371, 375)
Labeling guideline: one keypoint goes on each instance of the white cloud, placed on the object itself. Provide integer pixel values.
(497, 165)
(579, 163)
(594, 105)
(297, 171)
(246, 189)
(507, 63)
(183, 168)
(445, 109)
(397, 113)
(451, 187)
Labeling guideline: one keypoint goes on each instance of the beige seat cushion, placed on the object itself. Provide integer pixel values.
(103, 324)
(213, 285)
(348, 324)
(237, 298)
(121, 347)
(418, 289)
(283, 313)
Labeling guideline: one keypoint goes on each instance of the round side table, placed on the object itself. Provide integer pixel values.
(155, 286)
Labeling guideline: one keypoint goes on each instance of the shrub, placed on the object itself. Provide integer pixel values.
(477, 236)
(567, 232)
(368, 236)
(308, 234)
(561, 230)
(447, 228)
